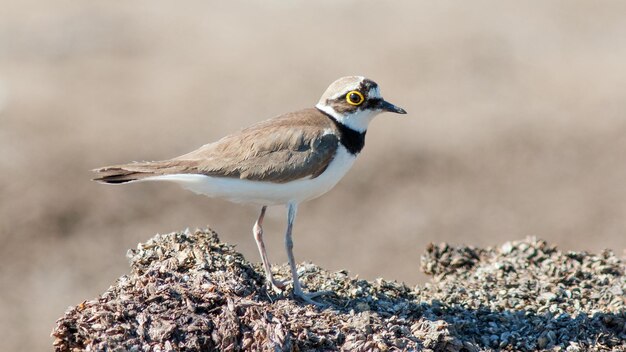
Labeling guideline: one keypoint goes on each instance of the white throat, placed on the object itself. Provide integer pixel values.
(357, 121)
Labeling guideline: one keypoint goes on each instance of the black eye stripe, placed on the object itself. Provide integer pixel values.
(341, 103)
(371, 103)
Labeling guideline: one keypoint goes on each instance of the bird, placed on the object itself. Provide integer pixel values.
(286, 160)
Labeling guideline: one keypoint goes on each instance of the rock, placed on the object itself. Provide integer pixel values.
(190, 292)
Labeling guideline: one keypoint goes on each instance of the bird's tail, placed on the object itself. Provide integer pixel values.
(125, 173)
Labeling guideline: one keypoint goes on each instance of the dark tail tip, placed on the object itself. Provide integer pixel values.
(116, 175)
(113, 180)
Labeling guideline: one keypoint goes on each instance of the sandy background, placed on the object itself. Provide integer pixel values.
(516, 127)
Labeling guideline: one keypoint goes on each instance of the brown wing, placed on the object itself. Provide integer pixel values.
(288, 147)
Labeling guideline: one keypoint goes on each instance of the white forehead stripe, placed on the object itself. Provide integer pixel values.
(374, 92)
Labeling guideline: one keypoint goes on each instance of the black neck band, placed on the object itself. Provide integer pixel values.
(349, 138)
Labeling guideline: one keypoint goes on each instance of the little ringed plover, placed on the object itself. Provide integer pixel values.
(286, 160)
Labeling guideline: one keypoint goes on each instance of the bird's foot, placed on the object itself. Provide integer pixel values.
(308, 297)
(277, 286)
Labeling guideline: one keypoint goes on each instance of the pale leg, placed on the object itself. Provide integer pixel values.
(257, 231)
(292, 208)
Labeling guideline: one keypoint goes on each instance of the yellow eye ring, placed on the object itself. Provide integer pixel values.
(355, 98)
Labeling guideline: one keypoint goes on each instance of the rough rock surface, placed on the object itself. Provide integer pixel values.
(190, 292)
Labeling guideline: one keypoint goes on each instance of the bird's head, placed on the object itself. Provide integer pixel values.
(354, 101)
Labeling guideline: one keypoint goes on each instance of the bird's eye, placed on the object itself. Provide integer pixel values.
(354, 98)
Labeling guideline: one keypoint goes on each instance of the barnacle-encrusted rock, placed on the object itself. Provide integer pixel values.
(190, 292)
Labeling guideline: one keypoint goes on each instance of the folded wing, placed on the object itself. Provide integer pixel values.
(293, 146)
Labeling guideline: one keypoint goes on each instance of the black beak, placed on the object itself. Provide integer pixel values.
(387, 106)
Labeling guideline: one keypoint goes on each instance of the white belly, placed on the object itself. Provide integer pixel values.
(265, 193)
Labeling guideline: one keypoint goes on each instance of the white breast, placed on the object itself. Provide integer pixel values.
(265, 193)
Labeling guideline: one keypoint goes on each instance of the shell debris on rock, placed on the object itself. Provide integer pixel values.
(187, 291)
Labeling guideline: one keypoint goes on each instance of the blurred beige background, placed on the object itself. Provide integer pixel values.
(516, 126)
